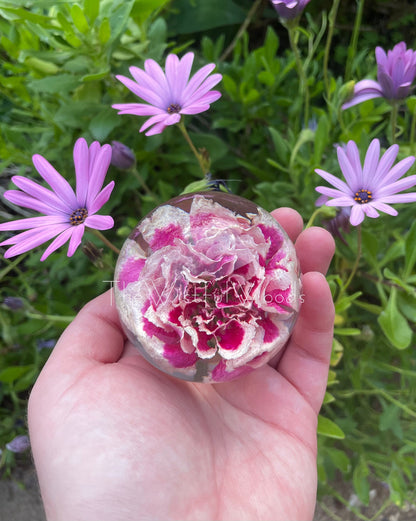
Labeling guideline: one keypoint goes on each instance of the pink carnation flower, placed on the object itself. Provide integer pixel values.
(171, 93)
(207, 294)
(66, 213)
(372, 187)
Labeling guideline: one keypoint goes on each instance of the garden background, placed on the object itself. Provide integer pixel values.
(278, 120)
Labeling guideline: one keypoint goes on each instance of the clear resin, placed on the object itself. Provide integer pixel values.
(207, 287)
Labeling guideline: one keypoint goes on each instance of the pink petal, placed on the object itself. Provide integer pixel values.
(330, 192)
(101, 199)
(32, 238)
(400, 198)
(384, 207)
(370, 211)
(76, 236)
(154, 70)
(398, 171)
(371, 162)
(98, 172)
(81, 163)
(33, 222)
(385, 163)
(341, 201)
(58, 184)
(183, 72)
(357, 215)
(57, 243)
(232, 336)
(99, 222)
(353, 156)
(150, 96)
(398, 186)
(351, 174)
(197, 79)
(145, 80)
(26, 201)
(41, 193)
(138, 109)
(208, 84)
(340, 185)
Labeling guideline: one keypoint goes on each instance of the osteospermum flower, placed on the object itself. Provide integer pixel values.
(371, 187)
(66, 214)
(396, 72)
(171, 93)
(289, 9)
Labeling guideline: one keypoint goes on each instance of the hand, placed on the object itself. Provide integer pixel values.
(115, 439)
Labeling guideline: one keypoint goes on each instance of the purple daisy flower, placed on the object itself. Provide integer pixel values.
(369, 188)
(171, 93)
(396, 72)
(66, 213)
(289, 9)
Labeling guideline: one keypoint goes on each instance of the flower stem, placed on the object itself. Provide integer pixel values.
(356, 263)
(393, 121)
(241, 30)
(352, 49)
(303, 81)
(51, 318)
(201, 161)
(102, 238)
(332, 17)
(142, 182)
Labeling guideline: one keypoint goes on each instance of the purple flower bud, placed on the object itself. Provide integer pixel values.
(45, 344)
(13, 303)
(289, 9)
(18, 444)
(122, 156)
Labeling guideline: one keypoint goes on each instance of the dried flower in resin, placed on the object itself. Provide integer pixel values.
(207, 287)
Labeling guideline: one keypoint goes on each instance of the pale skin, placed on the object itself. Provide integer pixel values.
(114, 439)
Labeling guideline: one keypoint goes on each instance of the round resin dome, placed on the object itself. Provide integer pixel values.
(207, 287)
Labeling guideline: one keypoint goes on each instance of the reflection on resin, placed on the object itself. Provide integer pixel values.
(207, 287)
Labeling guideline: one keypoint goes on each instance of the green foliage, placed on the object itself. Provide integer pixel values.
(57, 83)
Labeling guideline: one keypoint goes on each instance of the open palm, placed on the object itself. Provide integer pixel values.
(115, 439)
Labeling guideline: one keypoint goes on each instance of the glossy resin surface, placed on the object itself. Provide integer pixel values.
(207, 287)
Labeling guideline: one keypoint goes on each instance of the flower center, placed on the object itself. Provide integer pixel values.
(78, 216)
(363, 196)
(174, 108)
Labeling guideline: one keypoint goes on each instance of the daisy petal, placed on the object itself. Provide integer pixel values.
(59, 185)
(400, 198)
(385, 163)
(99, 222)
(370, 211)
(330, 192)
(334, 181)
(398, 170)
(33, 222)
(33, 239)
(371, 162)
(101, 199)
(138, 109)
(98, 173)
(383, 207)
(26, 201)
(341, 201)
(197, 79)
(75, 240)
(41, 193)
(398, 186)
(352, 176)
(81, 163)
(57, 242)
(357, 215)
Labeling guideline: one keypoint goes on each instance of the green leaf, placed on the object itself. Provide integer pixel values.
(103, 123)
(394, 325)
(62, 84)
(281, 146)
(327, 427)
(410, 250)
(360, 481)
(41, 65)
(407, 305)
(340, 459)
(104, 32)
(80, 22)
(12, 373)
(321, 138)
(346, 331)
(91, 9)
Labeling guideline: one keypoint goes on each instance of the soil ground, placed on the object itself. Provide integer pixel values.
(20, 501)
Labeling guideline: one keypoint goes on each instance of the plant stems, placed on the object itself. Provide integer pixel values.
(352, 49)
(412, 132)
(102, 238)
(356, 263)
(51, 318)
(393, 121)
(201, 161)
(332, 18)
(303, 81)
(142, 182)
(241, 30)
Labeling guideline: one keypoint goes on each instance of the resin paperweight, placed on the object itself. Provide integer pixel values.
(207, 287)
